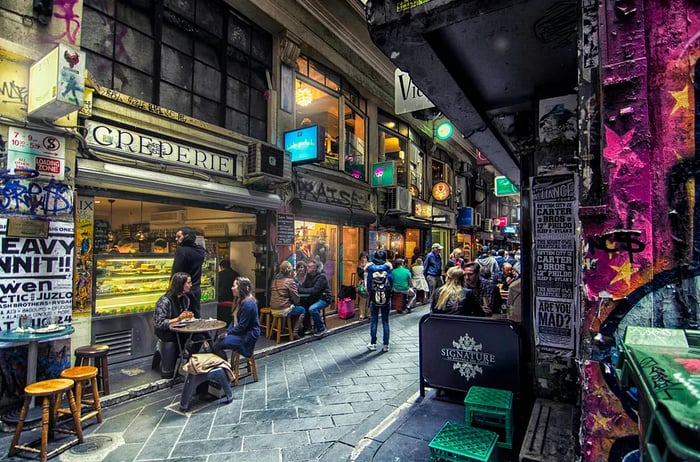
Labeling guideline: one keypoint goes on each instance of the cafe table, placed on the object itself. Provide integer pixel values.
(32, 338)
(195, 326)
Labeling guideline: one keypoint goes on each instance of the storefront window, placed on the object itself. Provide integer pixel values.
(354, 143)
(320, 94)
(391, 242)
(415, 170)
(394, 147)
(188, 73)
(316, 106)
(353, 244)
(318, 241)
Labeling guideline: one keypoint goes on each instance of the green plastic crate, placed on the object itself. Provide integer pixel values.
(461, 443)
(491, 409)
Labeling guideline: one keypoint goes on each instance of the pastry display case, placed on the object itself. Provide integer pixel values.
(132, 283)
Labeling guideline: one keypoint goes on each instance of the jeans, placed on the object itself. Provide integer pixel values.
(314, 311)
(434, 282)
(374, 314)
(296, 310)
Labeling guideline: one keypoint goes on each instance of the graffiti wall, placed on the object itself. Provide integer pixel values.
(641, 252)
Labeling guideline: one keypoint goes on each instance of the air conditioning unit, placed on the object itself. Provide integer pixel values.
(267, 161)
(477, 220)
(488, 225)
(398, 201)
(172, 216)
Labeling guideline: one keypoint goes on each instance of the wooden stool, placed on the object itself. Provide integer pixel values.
(278, 325)
(265, 320)
(80, 375)
(52, 389)
(98, 353)
(250, 369)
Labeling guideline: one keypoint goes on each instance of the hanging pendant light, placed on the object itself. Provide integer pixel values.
(139, 234)
(110, 234)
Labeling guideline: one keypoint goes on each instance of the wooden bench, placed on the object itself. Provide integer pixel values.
(550, 433)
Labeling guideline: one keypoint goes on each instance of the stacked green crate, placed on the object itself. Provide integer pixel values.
(461, 443)
(491, 409)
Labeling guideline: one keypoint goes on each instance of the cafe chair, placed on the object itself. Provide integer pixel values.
(51, 390)
(282, 325)
(248, 369)
(265, 320)
(80, 375)
(98, 354)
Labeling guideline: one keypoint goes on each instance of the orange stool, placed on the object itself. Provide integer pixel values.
(49, 390)
(80, 375)
(265, 320)
(278, 325)
(249, 368)
(98, 353)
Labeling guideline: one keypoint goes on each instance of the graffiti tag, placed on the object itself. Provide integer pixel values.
(22, 196)
(622, 240)
(14, 93)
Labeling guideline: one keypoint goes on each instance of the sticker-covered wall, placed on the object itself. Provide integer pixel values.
(641, 251)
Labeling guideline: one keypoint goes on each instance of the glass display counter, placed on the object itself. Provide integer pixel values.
(133, 283)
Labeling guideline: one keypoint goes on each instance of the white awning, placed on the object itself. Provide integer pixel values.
(112, 176)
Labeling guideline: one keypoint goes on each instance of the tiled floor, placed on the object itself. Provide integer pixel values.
(137, 372)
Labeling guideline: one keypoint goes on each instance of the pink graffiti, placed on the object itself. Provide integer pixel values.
(70, 18)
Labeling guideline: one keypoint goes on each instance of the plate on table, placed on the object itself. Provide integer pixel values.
(48, 329)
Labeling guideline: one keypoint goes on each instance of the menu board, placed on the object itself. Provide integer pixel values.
(285, 229)
(554, 263)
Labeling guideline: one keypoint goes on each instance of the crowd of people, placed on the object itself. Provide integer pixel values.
(452, 286)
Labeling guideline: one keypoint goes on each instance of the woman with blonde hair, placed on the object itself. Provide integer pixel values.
(454, 298)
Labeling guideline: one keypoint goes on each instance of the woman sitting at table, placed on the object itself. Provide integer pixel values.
(454, 298)
(174, 306)
(244, 329)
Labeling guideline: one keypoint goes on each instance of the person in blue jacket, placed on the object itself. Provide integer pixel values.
(244, 329)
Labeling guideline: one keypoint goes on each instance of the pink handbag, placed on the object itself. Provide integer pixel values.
(346, 308)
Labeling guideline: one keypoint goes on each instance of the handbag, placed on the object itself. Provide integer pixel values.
(360, 288)
(346, 308)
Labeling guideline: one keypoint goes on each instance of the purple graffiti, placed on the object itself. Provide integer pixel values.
(70, 18)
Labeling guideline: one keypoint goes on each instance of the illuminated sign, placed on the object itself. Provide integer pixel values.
(422, 209)
(503, 187)
(441, 191)
(306, 145)
(383, 174)
(57, 83)
(501, 221)
(512, 229)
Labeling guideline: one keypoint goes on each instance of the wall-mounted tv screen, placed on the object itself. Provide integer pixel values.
(306, 144)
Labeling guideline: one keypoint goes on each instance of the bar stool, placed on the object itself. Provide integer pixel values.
(278, 325)
(265, 319)
(80, 375)
(98, 353)
(249, 368)
(52, 389)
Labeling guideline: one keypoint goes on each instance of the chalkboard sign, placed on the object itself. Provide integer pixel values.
(285, 229)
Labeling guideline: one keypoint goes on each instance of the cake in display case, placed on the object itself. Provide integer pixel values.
(132, 283)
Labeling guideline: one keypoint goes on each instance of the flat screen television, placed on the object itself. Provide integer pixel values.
(306, 144)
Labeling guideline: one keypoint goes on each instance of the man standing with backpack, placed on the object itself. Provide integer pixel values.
(379, 281)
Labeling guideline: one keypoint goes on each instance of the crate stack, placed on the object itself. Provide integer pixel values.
(491, 409)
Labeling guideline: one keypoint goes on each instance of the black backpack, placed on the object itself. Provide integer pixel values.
(380, 288)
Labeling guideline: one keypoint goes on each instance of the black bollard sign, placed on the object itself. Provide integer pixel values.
(457, 352)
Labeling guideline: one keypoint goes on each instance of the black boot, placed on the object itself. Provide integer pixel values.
(168, 358)
(298, 326)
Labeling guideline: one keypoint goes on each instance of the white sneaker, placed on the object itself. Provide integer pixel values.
(385, 348)
(372, 346)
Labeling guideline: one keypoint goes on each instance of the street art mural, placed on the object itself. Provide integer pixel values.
(642, 261)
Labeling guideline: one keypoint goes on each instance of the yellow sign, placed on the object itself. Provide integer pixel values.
(405, 5)
(441, 191)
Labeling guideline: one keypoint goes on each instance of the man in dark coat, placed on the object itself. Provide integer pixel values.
(189, 258)
(226, 277)
(318, 291)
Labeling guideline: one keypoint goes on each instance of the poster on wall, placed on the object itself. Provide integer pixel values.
(36, 276)
(555, 280)
(86, 240)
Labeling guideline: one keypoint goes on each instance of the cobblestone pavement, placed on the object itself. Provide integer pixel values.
(326, 400)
